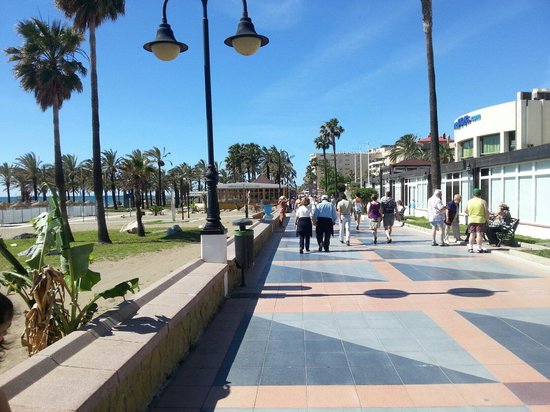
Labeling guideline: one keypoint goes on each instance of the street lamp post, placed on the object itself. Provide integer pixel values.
(165, 46)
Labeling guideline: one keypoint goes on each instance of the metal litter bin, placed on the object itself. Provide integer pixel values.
(244, 246)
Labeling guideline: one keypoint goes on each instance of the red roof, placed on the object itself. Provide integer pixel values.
(442, 139)
(263, 179)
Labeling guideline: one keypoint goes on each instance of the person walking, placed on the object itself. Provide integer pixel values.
(452, 218)
(374, 214)
(436, 216)
(282, 210)
(400, 215)
(478, 216)
(324, 219)
(357, 210)
(389, 208)
(304, 227)
(344, 217)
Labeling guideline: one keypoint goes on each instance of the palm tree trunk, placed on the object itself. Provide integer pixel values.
(326, 171)
(435, 170)
(102, 231)
(113, 191)
(140, 228)
(335, 170)
(59, 175)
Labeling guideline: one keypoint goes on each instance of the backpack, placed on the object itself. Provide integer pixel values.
(389, 206)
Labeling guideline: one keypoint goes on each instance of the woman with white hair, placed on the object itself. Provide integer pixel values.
(436, 216)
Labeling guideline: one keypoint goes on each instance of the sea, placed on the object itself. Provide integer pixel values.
(76, 198)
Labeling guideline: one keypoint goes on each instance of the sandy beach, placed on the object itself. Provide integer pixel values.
(149, 267)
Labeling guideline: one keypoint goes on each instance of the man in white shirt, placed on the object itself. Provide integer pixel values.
(344, 217)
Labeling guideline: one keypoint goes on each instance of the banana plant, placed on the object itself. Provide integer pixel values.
(53, 294)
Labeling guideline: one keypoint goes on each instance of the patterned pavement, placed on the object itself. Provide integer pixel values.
(388, 327)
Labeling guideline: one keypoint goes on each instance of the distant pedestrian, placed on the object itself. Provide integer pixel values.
(304, 227)
(436, 216)
(344, 218)
(357, 209)
(412, 207)
(400, 215)
(324, 219)
(478, 216)
(452, 218)
(374, 214)
(282, 210)
(389, 207)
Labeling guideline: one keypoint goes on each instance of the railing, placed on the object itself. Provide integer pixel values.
(24, 215)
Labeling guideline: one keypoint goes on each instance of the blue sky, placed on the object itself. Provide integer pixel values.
(361, 61)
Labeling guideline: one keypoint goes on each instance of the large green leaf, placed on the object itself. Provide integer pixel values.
(84, 278)
(4, 251)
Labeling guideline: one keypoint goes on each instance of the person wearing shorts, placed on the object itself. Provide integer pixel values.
(478, 215)
(357, 210)
(389, 207)
(373, 213)
(436, 216)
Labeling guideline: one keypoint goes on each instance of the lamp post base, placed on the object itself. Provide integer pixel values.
(214, 248)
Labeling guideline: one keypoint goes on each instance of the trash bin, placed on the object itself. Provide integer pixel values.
(244, 245)
(268, 209)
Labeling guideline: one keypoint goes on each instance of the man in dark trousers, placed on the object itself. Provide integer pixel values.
(324, 218)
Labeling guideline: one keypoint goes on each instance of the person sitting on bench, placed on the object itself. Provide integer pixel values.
(499, 220)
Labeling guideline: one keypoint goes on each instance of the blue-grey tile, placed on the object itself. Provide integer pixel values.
(324, 345)
(253, 346)
(375, 358)
(295, 334)
(326, 360)
(283, 376)
(329, 376)
(244, 376)
(246, 359)
(285, 346)
(273, 359)
(393, 344)
(374, 375)
(421, 374)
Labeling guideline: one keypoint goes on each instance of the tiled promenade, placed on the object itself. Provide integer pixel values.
(389, 327)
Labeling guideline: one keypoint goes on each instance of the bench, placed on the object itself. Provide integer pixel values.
(508, 232)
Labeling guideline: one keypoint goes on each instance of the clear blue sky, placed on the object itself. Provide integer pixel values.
(361, 61)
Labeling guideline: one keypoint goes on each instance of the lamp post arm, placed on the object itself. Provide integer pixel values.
(245, 9)
(164, 20)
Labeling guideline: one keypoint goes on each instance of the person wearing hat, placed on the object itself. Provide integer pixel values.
(344, 217)
(500, 219)
(478, 216)
(282, 210)
(324, 218)
(436, 216)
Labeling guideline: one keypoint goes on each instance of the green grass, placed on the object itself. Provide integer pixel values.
(124, 244)
(541, 253)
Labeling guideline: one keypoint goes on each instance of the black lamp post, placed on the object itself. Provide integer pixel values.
(165, 46)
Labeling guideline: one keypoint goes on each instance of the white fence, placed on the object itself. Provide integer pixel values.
(24, 215)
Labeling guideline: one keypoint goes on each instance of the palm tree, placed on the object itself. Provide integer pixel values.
(332, 130)
(29, 164)
(85, 170)
(89, 14)
(435, 172)
(251, 159)
(235, 160)
(157, 156)
(46, 64)
(111, 162)
(7, 178)
(70, 167)
(136, 169)
(199, 171)
(323, 143)
(406, 147)
(22, 182)
(446, 154)
(266, 161)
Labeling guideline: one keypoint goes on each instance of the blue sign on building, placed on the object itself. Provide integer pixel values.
(466, 120)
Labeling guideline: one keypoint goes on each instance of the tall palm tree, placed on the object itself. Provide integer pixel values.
(29, 164)
(136, 169)
(251, 159)
(85, 177)
(89, 14)
(406, 147)
(70, 167)
(47, 65)
(333, 131)
(446, 154)
(435, 172)
(266, 161)
(199, 172)
(235, 161)
(158, 157)
(110, 163)
(7, 178)
(322, 142)
(21, 181)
